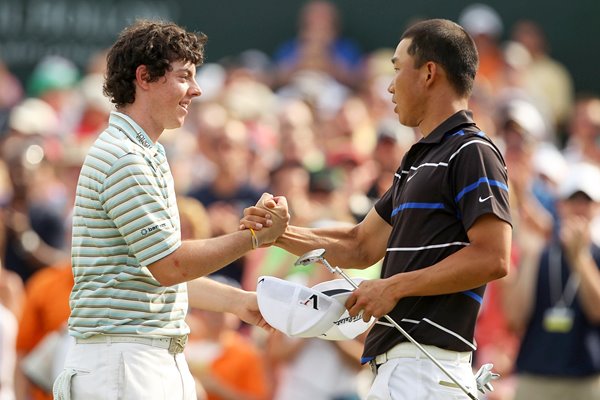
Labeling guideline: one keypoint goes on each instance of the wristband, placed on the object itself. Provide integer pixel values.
(254, 239)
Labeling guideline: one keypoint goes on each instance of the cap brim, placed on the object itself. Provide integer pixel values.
(346, 327)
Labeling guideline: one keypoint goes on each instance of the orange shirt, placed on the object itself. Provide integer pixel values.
(241, 366)
(46, 309)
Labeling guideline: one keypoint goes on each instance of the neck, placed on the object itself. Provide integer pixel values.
(439, 110)
(143, 119)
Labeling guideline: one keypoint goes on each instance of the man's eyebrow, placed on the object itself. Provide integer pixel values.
(184, 70)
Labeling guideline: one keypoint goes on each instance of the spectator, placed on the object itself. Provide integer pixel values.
(554, 300)
(393, 141)
(42, 316)
(228, 365)
(229, 192)
(583, 131)
(11, 292)
(520, 131)
(485, 25)
(547, 80)
(54, 80)
(319, 47)
(35, 235)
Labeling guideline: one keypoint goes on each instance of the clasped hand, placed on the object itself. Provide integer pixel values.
(269, 212)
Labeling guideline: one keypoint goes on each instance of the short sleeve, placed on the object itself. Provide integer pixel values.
(384, 206)
(480, 182)
(137, 198)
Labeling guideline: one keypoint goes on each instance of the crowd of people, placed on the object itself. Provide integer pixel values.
(314, 122)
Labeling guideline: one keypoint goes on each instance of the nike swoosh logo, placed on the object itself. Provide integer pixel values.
(482, 200)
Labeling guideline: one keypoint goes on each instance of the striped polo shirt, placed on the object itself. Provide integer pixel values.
(445, 182)
(125, 218)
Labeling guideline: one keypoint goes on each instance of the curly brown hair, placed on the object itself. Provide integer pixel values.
(155, 44)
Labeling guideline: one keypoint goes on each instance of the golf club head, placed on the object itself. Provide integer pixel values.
(311, 257)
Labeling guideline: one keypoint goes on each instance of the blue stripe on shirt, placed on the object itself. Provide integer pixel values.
(473, 295)
(417, 205)
(459, 133)
(475, 185)
(364, 360)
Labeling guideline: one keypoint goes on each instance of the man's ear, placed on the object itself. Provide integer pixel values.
(430, 70)
(142, 76)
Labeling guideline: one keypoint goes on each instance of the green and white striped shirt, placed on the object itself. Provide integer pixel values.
(125, 218)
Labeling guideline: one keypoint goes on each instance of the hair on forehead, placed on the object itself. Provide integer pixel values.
(447, 44)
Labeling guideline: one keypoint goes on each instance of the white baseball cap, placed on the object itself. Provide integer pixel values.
(345, 327)
(296, 310)
(582, 177)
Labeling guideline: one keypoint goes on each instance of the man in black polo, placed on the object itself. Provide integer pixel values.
(443, 227)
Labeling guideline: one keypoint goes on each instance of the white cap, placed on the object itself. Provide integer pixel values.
(33, 116)
(583, 177)
(550, 162)
(478, 19)
(346, 327)
(294, 309)
(528, 117)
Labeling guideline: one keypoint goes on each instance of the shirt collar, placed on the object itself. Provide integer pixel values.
(133, 131)
(459, 119)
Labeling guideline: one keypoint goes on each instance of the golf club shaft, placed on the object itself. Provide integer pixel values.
(407, 335)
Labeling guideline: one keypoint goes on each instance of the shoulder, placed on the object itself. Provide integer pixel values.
(467, 144)
(110, 147)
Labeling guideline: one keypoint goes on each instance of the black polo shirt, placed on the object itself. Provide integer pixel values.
(445, 182)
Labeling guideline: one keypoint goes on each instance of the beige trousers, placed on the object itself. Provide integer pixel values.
(114, 371)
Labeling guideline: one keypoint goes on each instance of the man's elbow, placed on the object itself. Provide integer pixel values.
(164, 276)
(498, 268)
(166, 273)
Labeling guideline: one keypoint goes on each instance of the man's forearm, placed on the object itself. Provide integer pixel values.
(197, 258)
(340, 243)
(207, 294)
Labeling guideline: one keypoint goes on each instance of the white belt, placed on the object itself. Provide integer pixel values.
(174, 344)
(409, 350)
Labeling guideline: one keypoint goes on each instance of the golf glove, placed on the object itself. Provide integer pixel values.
(484, 377)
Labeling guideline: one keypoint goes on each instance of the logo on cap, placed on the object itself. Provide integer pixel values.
(314, 300)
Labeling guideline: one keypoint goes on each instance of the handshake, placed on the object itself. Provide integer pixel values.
(271, 213)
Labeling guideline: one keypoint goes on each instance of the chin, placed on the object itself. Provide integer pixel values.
(175, 124)
(406, 121)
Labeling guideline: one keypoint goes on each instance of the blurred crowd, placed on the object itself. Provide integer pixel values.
(313, 122)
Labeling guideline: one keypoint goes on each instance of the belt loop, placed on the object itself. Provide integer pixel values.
(374, 367)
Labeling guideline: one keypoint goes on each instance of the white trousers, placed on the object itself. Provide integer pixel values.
(114, 371)
(417, 378)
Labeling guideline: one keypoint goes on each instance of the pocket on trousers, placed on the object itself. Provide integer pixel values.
(61, 389)
(380, 389)
(447, 389)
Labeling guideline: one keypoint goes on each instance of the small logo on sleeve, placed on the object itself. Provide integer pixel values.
(160, 225)
(481, 200)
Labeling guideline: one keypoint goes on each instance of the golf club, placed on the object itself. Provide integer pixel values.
(483, 376)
